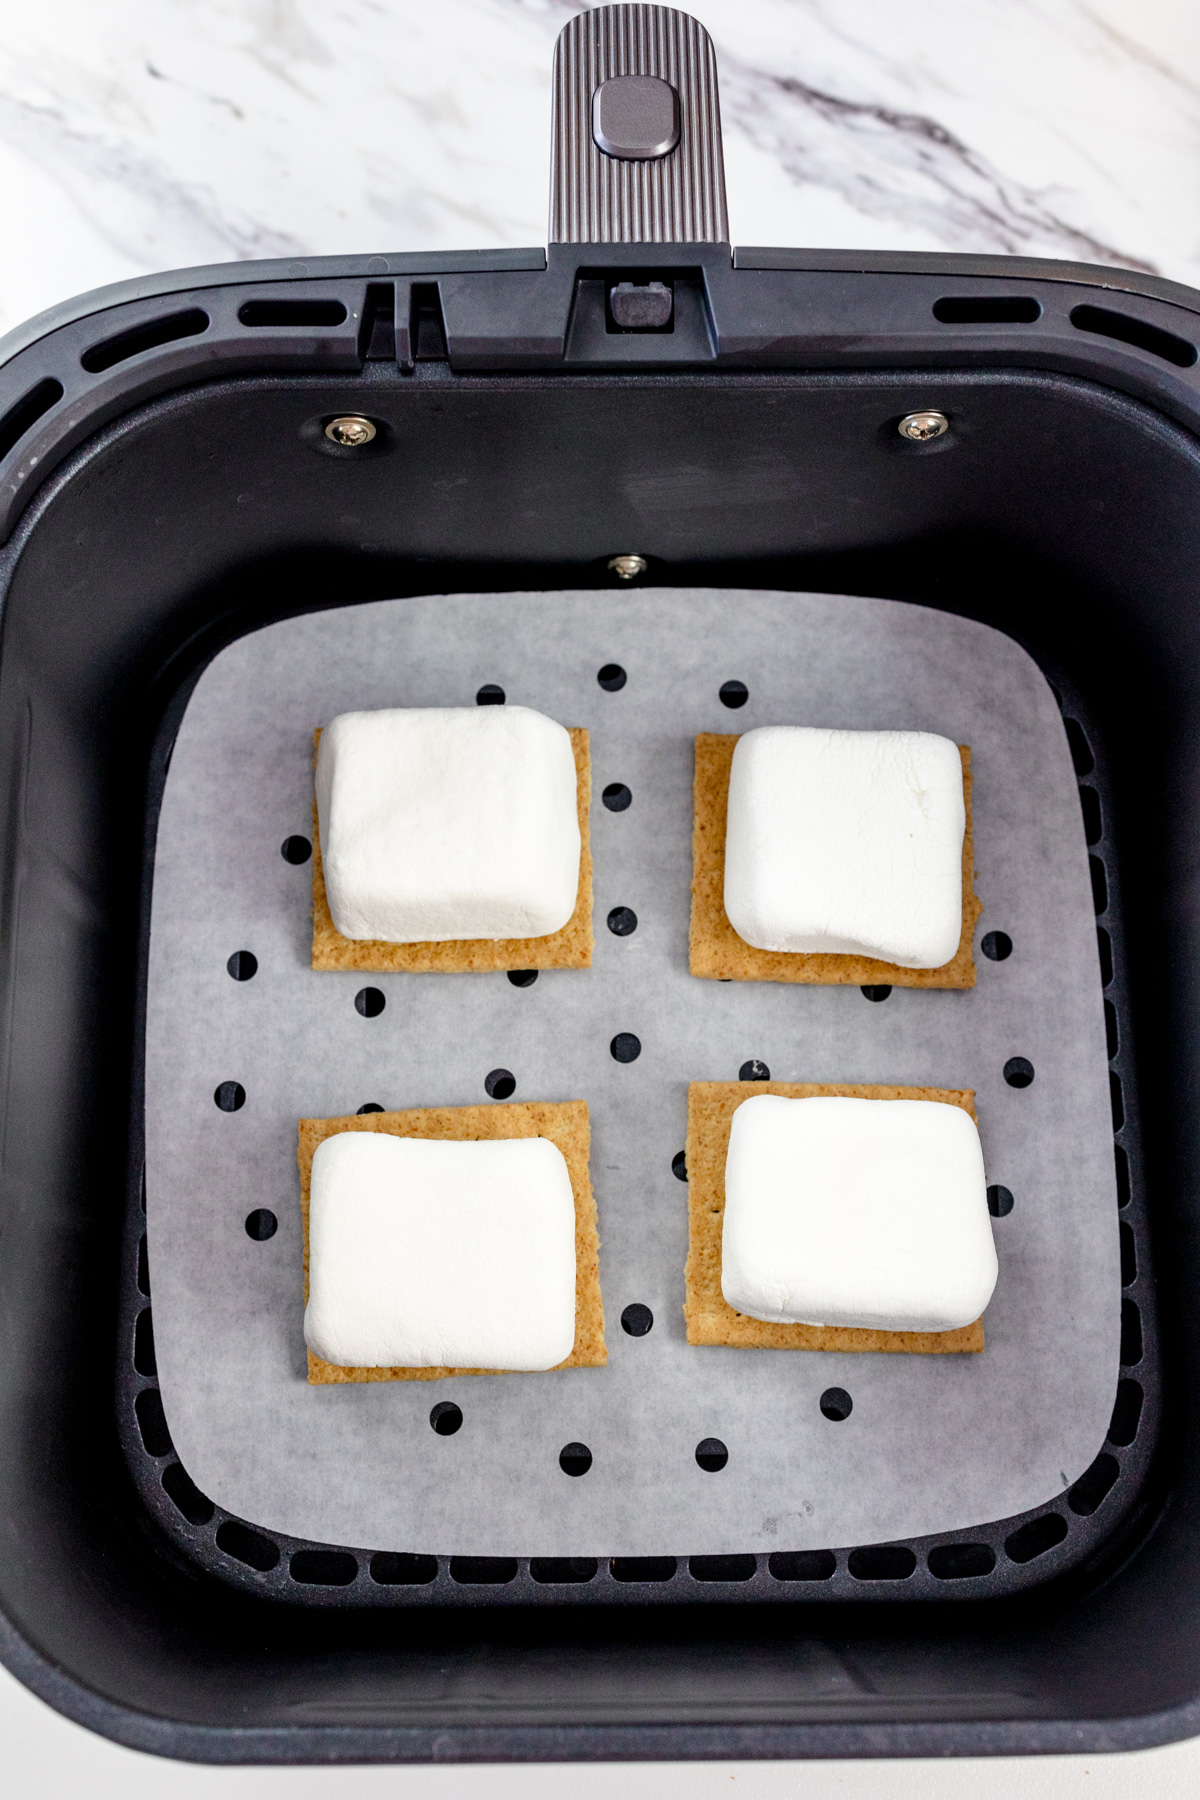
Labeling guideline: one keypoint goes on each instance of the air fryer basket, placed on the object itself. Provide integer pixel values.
(167, 487)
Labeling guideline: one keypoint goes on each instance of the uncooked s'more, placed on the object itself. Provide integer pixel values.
(450, 1241)
(836, 1218)
(451, 839)
(833, 857)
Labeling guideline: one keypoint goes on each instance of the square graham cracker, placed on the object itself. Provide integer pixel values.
(570, 948)
(565, 1123)
(710, 1318)
(718, 953)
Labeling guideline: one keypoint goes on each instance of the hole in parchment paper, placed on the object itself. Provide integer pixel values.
(261, 1224)
(295, 849)
(323, 1568)
(1018, 1071)
(957, 1562)
(243, 965)
(446, 1418)
(564, 1571)
(802, 1565)
(369, 1106)
(369, 1002)
(500, 1084)
(881, 1562)
(625, 1047)
(490, 694)
(143, 1268)
(1036, 1538)
(1104, 945)
(711, 1454)
(152, 1422)
(1111, 1029)
(836, 1404)
(1127, 1412)
(1116, 1099)
(246, 1546)
(612, 678)
(1000, 1202)
(483, 1571)
(996, 946)
(679, 1165)
(1093, 1485)
(636, 1320)
(522, 977)
(643, 1568)
(734, 693)
(1093, 819)
(230, 1096)
(1124, 1190)
(754, 1071)
(574, 1459)
(399, 1568)
(878, 991)
(722, 1568)
(622, 921)
(616, 796)
(196, 1507)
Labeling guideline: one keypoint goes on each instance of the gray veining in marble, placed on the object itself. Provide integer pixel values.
(161, 133)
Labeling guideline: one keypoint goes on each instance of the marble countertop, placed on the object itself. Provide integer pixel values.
(155, 134)
(138, 135)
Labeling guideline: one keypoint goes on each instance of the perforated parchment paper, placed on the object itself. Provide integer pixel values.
(933, 1443)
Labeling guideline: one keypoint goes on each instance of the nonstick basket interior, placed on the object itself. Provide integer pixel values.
(1064, 512)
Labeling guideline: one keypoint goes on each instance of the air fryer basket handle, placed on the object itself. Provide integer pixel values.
(635, 191)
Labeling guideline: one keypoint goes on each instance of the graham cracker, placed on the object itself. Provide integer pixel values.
(718, 953)
(570, 948)
(710, 1318)
(565, 1123)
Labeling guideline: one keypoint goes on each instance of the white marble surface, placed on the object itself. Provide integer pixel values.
(150, 134)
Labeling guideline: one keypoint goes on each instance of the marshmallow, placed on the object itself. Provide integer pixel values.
(868, 1213)
(847, 842)
(424, 1253)
(448, 823)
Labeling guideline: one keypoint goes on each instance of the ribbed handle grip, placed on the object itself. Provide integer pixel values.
(597, 198)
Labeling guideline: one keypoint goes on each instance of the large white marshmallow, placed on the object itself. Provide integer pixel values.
(868, 1213)
(429, 1254)
(847, 842)
(440, 823)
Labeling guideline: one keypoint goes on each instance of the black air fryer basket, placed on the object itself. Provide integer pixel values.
(172, 477)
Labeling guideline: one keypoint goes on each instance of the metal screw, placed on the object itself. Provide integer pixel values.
(351, 431)
(920, 427)
(628, 568)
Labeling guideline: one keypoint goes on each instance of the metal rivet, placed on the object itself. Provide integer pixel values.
(920, 427)
(627, 568)
(351, 431)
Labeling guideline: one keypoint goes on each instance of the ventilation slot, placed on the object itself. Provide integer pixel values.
(150, 336)
(1138, 332)
(987, 309)
(721, 1568)
(1035, 1538)
(377, 340)
(323, 1568)
(19, 418)
(262, 313)
(428, 329)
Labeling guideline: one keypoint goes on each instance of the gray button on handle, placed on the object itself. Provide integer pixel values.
(635, 117)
